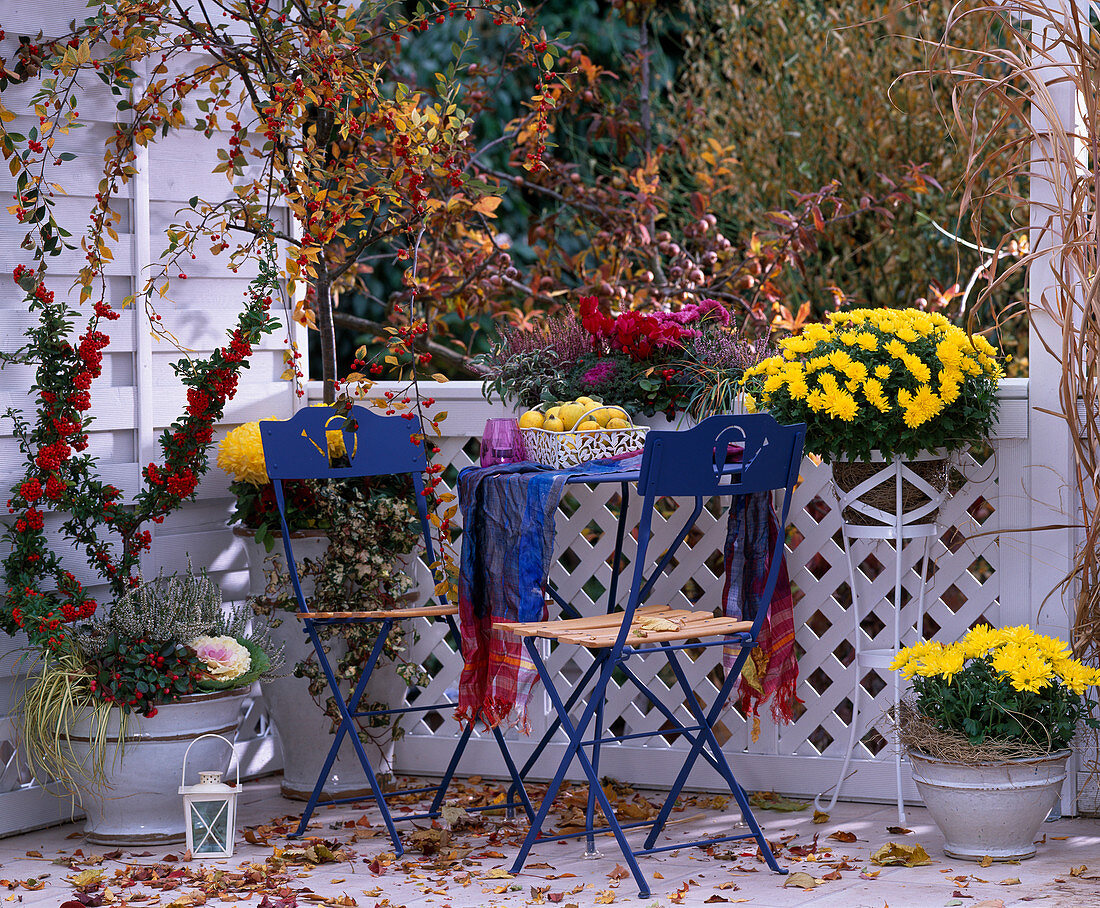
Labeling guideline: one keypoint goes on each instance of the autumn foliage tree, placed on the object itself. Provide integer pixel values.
(313, 109)
(310, 112)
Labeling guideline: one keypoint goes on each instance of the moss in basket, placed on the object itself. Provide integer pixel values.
(899, 381)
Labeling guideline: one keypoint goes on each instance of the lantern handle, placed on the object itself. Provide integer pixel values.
(232, 760)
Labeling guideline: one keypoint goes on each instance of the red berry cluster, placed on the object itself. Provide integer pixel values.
(56, 478)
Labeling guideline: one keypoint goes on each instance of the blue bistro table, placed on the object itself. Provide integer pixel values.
(733, 456)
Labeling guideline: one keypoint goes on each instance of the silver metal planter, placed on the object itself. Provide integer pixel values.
(989, 809)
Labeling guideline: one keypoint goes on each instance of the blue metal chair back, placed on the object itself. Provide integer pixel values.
(327, 443)
(721, 456)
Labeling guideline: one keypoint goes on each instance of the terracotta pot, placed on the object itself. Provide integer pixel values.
(140, 804)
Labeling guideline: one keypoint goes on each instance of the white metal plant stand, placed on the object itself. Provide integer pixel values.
(899, 525)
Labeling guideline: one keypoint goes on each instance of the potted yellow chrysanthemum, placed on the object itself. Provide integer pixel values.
(987, 733)
(876, 386)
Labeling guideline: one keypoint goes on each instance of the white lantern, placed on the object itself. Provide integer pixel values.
(210, 810)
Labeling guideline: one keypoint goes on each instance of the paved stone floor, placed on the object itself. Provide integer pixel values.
(349, 862)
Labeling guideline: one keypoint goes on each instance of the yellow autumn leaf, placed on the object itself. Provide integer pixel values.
(657, 623)
(86, 878)
(497, 873)
(488, 205)
(896, 854)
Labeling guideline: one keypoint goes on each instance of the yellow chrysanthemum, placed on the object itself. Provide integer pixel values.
(856, 371)
(842, 405)
(917, 368)
(241, 454)
(980, 640)
(867, 341)
(883, 372)
(950, 381)
(896, 349)
(872, 390)
(920, 407)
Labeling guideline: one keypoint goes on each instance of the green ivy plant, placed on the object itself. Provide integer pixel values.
(371, 528)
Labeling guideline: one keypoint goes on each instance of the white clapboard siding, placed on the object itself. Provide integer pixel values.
(138, 393)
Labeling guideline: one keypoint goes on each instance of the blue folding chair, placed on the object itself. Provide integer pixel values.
(372, 445)
(722, 456)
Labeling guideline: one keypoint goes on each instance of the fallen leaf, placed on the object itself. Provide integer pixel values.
(34, 854)
(1011, 881)
(619, 873)
(842, 836)
(714, 899)
(990, 903)
(898, 830)
(727, 885)
(430, 841)
(800, 880)
(820, 817)
(869, 874)
(605, 897)
(655, 623)
(893, 854)
(1077, 871)
(769, 800)
(86, 878)
(832, 876)
(497, 873)
(986, 861)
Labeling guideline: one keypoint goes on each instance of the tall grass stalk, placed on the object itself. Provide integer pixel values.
(1036, 52)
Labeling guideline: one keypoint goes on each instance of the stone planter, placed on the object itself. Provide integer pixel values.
(992, 809)
(304, 731)
(141, 804)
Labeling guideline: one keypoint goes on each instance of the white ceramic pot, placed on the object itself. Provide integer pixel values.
(992, 809)
(304, 731)
(141, 804)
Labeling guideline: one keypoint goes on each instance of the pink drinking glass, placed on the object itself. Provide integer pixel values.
(502, 442)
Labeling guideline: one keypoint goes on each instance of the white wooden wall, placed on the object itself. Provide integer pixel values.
(138, 394)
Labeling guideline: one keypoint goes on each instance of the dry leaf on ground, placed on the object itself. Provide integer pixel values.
(769, 800)
(894, 854)
(800, 880)
(842, 836)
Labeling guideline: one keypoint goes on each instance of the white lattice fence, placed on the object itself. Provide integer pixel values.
(802, 757)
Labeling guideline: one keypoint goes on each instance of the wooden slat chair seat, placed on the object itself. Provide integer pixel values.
(722, 456)
(651, 624)
(372, 445)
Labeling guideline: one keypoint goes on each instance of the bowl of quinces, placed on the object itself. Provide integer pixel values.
(576, 431)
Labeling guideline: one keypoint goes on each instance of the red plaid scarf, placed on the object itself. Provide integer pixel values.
(771, 670)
